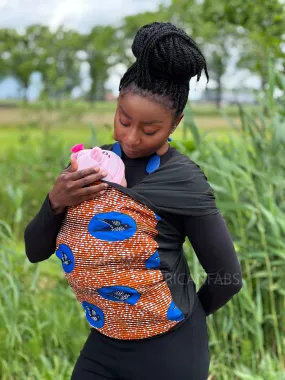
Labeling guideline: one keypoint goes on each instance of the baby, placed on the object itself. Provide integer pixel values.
(110, 257)
(106, 160)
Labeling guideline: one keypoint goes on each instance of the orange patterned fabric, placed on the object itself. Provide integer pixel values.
(111, 262)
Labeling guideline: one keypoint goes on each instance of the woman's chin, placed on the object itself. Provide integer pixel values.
(132, 153)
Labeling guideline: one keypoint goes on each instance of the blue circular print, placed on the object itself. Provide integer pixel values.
(65, 254)
(173, 313)
(112, 226)
(153, 262)
(120, 294)
(94, 315)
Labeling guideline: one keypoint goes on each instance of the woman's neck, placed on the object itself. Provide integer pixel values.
(161, 151)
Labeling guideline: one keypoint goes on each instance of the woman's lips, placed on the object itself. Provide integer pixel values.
(129, 151)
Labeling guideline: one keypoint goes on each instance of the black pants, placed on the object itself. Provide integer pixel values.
(181, 354)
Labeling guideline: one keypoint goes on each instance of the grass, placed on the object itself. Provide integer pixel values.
(101, 113)
(25, 125)
(35, 327)
(13, 138)
(42, 327)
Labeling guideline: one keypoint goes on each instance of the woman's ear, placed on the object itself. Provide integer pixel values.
(176, 122)
(179, 118)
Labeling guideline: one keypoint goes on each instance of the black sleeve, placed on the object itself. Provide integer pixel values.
(213, 245)
(40, 234)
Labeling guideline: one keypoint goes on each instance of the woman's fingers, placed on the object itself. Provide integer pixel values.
(92, 191)
(73, 186)
(88, 180)
(79, 174)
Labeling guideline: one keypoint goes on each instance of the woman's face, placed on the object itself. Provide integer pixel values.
(142, 126)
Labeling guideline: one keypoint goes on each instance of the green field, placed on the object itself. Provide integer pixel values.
(25, 125)
(43, 328)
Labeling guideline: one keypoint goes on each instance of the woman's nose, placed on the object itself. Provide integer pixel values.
(133, 139)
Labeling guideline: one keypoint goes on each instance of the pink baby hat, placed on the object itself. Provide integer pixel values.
(107, 160)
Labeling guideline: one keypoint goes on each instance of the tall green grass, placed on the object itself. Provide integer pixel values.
(42, 327)
(248, 178)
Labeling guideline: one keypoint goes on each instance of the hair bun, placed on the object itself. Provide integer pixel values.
(165, 52)
(167, 58)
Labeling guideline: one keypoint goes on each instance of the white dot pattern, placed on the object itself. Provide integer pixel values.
(100, 263)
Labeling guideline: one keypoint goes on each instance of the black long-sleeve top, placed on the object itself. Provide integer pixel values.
(208, 235)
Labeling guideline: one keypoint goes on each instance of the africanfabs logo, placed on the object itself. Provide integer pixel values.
(65, 254)
(112, 226)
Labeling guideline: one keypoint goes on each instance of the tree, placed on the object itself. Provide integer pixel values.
(255, 29)
(54, 55)
(203, 22)
(101, 48)
(3, 53)
(18, 57)
(129, 28)
(60, 67)
(260, 31)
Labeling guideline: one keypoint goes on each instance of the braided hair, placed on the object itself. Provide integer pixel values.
(167, 58)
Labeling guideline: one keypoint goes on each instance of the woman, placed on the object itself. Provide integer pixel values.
(172, 344)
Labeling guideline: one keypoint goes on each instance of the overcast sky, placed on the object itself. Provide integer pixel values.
(77, 14)
(83, 15)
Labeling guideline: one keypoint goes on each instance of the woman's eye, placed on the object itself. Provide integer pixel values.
(150, 133)
(125, 125)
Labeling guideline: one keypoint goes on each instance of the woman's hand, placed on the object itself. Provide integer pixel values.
(72, 187)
